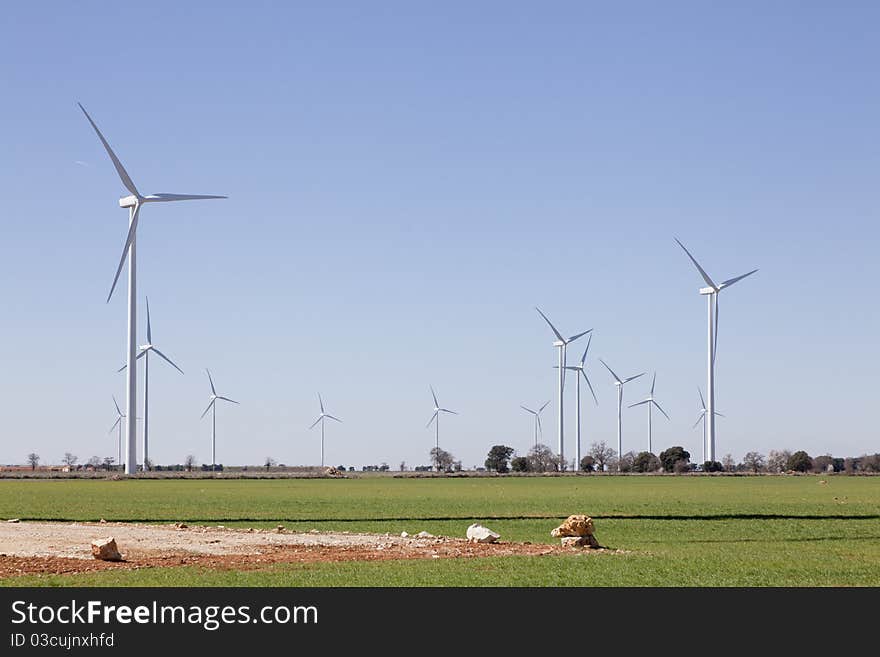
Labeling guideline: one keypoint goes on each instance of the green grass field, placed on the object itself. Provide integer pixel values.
(676, 531)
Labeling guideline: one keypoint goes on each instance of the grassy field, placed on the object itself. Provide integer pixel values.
(676, 531)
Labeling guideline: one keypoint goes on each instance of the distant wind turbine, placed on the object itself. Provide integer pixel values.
(702, 416)
(537, 415)
(120, 416)
(323, 416)
(561, 343)
(711, 293)
(133, 202)
(580, 370)
(144, 351)
(650, 401)
(435, 418)
(619, 383)
(213, 405)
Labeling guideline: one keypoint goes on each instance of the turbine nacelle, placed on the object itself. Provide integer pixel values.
(129, 201)
(708, 290)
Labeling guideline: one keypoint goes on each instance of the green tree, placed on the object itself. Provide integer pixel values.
(587, 464)
(800, 461)
(498, 458)
(519, 464)
(645, 462)
(669, 457)
(441, 459)
(712, 466)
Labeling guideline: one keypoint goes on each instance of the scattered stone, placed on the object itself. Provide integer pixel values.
(580, 541)
(579, 525)
(476, 533)
(102, 521)
(105, 549)
(279, 529)
(424, 534)
(13, 520)
(180, 525)
(404, 535)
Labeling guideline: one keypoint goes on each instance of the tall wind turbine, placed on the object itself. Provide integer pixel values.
(118, 426)
(650, 401)
(435, 418)
(619, 383)
(213, 405)
(561, 343)
(580, 370)
(711, 294)
(323, 416)
(537, 415)
(133, 202)
(702, 416)
(144, 351)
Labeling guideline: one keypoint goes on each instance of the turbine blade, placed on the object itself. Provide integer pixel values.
(211, 381)
(433, 417)
(584, 357)
(446, 410)
(553, 328)
(702, 401)
(544, 406)
(644, 401)
(118, 412)
(118, 420)
(702, 271)
(166, 359)
(138, 357)
(123, 174)
(321, 403)
(227, 399)
(333, 418)
(433, 394)
(579, 335)
(320, 417)
(161, 198)
(132, 230)
(540, 428)
(653, 381)
(731, 281)
(719, 414)
(208, 409)
(700, 417)
(659, 409)
(527, 409)
(616, 378)
(634, 377)
(593, 392)
(715, 341)
(149, 329)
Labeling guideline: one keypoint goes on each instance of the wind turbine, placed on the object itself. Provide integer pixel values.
(118, 425)
(702, 416)
(619, 383)
(133, 202)
(213, 405)
(435, 418)
(323, 416)
(580, 368)
(650, 401)
(561, 343)
(711, 293)
(144, 351)
(537, 415)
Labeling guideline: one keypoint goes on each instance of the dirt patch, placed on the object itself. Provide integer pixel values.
(60, 548)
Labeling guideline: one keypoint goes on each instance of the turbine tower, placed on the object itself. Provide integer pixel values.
(323, 416)
(435, 418)
(133, 202)
(650, 401)
(702, 416)
(619, 383)
(711, 294)
(118, 426)
(581, 370)
(213, 405)
(561, 343)
(537, 415)
(144, 351)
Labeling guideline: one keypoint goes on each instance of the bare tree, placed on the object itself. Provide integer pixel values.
(728, 463)
(542, 459)
(95, 462)
(441, 459)
(602, 455)
(777, 461)
(33, 460)
(189, 462)
(403, 466)
(108, 462)
(270, 462)
(69, 459)
(754, 461)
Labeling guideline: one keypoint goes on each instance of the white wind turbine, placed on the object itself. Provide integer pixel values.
(619, 383)
(118, 426)
(580, 369)
(213, 405)
(144, 351)
(133, 202)
(650, 401)
(702, 416)
(435, 418)
(711, 293)
(323, 416)
(537, 415)
(561, 343)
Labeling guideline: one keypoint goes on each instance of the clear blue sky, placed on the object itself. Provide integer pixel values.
(406, 181)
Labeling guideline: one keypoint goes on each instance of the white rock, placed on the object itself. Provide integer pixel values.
(403, 535)
(424, 534)
(479, 534)
(105, 549)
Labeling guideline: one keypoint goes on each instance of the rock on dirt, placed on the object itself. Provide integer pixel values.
(105, 549)
(476, 533)
(13, 520)
(578, 525)
(580, 541)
